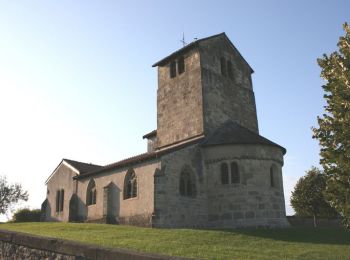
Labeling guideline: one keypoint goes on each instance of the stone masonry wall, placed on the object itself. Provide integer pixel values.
(172, 209)
(252, 202)
(133, 211)
(226, 98)
(179, 102)
(15, 245)
(62, 179)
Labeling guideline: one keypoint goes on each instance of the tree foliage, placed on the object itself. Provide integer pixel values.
(27, 215)
(10, 194)
(307, 198)
(333, 132)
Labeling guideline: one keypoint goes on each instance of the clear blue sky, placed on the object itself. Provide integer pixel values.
(76, 79)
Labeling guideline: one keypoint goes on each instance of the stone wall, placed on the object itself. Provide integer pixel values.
(61, 179)
(226, 98)
(134, 211)
(171, 208)
(15, 245)
(179, 102)
(252, 201)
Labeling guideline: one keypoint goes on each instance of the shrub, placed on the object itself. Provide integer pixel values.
(27, 215)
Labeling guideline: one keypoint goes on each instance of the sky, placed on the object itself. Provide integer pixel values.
(76, 79)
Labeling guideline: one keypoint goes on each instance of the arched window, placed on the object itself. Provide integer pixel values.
(130, 185)
(187, 183)
(224, 173)
(273, 172)
(91, 193)
(235, 178)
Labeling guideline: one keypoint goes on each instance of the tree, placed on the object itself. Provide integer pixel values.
(10, 194)
(307, 198)
(333, 132)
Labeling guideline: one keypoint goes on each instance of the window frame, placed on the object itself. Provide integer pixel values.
(187, 183)
(172, 69)
(224, 173)
(130, 190)
(181, 65)
(59, 200)
(235, 175)
(91, 193)
(273, 181)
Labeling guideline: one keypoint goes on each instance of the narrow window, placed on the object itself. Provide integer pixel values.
(223, 66)
(58, 201)
(181, 65)
(187, 183)
(235, 178)
(224, 173)
(130, 185)
(172, 69)
(91, 193)
(61, 200)
(229, 69)
(272, 177)
(93, 196)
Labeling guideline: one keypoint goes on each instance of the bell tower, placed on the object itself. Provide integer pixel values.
(200, 87)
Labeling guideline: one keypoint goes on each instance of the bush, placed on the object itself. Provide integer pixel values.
(27, 215)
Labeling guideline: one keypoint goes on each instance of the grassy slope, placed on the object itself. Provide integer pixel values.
(207, 244)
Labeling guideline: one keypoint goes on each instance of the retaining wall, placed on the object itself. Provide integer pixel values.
(16, 245)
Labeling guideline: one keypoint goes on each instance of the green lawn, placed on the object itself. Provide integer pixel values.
(292, 243)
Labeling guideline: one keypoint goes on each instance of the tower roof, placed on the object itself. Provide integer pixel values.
(195, 44)
(233, 133)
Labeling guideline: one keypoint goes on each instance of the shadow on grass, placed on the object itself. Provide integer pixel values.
(331, 236)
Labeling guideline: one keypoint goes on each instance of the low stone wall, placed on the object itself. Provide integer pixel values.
(309, 222)
(16, 245)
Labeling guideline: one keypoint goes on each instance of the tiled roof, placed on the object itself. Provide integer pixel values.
(233, 133)
(138, 158)
(83, 167)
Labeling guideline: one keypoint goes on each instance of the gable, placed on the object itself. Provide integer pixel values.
(61, 167)
(75, 167)
(196, 43)
(221, 44)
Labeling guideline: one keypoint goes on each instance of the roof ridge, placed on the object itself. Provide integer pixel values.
(231, 132)
(188, 46)
(70, 160)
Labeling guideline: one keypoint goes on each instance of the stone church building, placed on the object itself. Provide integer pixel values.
(206, 164)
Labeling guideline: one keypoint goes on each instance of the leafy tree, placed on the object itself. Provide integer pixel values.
(10, 194)
(333, 132)
(307, 198)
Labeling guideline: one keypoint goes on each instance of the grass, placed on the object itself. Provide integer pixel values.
(292, 243)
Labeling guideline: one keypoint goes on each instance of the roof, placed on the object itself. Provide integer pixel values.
(77, 167)
(150, 134)
(194, 44)
(83, 167)
(233, 133)
(139, 158)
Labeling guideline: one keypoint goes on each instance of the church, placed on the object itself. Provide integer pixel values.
(206, 164)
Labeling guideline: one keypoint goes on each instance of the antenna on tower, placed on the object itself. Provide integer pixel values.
(183, 40)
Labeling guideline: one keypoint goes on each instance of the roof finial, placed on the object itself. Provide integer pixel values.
(183, 39)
